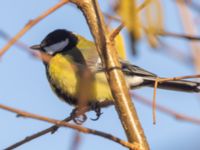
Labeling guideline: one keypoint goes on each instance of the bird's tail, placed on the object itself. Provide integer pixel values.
(179, 85)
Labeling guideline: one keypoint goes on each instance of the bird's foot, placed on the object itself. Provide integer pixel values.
(78, 119)
(97, 109)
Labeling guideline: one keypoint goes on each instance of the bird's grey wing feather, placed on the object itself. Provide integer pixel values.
(130, 69)
(88, 51)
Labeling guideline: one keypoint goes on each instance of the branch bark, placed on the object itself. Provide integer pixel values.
(51, 129)
(109, 57)
(69, 125)
(30, 24)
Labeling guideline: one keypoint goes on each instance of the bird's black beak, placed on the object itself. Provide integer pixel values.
(36, 47)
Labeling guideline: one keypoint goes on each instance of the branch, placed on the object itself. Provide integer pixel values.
(172, 51)
(121, 26)
(144, 4)
(40, 55)
(107, 52)
(154, 100)
(30, 24)
(72, 126)
(51, 129)
(160, 80)
(184, 36)
(111, 63)
(116, 32)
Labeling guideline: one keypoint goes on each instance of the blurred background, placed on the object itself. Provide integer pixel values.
(23, 82)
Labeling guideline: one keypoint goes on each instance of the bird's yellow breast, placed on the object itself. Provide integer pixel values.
(64, 74)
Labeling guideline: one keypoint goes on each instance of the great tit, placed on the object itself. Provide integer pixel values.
(71, 53)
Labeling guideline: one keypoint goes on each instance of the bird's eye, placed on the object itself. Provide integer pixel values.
(57, 47)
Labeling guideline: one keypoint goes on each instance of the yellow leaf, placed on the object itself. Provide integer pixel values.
(127, 9)
(154, 22)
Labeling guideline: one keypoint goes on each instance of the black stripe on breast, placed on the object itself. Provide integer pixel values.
(59, 92)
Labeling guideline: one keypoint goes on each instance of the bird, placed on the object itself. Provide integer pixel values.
(72, 53)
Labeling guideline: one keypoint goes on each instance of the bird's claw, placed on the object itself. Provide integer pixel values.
(78, 119)
(97, 109)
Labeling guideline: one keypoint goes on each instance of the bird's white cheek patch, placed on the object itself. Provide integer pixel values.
(56, 47)
(134, 80)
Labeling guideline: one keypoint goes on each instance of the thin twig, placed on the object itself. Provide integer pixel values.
(184, 36)
(116, 32)
(144, 4)
(30, 24)
(167, 110)
(72, 126)
(19, 44)
(121, 26)
(51, 129)
(40, 55)
(160, 80)
(111, 17)
(172, 51)
(154, 100)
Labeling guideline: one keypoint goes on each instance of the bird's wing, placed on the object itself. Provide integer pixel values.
(89, 52)
(130, 69)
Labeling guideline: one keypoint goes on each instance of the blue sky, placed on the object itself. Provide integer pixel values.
(24, 85)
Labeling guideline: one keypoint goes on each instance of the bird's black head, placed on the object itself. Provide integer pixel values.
(57, 41)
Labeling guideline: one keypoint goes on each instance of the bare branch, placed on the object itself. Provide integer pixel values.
(51, 129)
(107, 51)
(30, 24)
(116, 32)
(72, 126)
(144, 4)
(160, 80)
(176, 35)
(154, 100)
(40, 55)
(121, 26)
